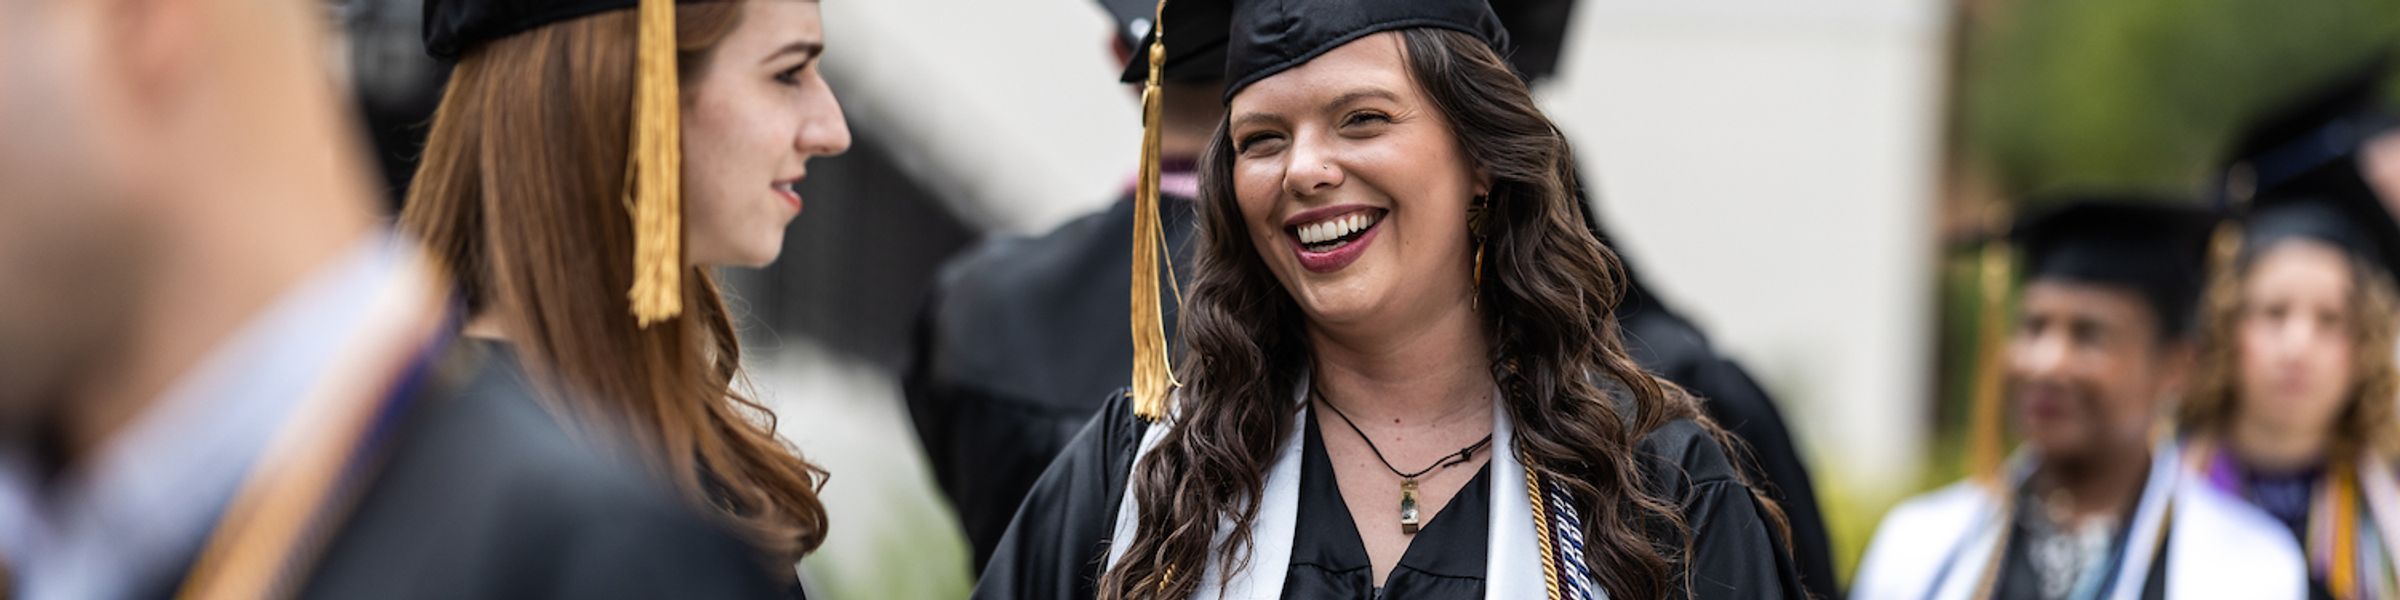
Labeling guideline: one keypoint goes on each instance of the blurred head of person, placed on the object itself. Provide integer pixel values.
(2103, 342)
(522, 191)
(1335, 209)
(166, 168)
(2299, 334)
(1192, 80)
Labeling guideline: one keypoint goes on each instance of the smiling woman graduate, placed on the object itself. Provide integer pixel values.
(1402, 377)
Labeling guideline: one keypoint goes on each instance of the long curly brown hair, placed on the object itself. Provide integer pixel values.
(1581, 403)
(519, 194)
(2367, 421)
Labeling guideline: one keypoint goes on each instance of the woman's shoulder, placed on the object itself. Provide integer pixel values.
(1684, 453)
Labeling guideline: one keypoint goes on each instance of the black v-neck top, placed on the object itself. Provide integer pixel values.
(1446, 559)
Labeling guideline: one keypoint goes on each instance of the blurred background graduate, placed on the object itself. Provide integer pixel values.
(2294, 407)
(2095, 503)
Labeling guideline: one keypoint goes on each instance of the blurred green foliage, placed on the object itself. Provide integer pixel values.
(2145, 94)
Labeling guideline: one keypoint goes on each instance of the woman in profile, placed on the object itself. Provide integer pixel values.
(1401, 377)
(590, 163)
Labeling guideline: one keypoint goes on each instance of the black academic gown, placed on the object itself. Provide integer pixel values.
(1446, 560)
(1017, 339)
(481, 494)
(1672, 347)
(1057, 545)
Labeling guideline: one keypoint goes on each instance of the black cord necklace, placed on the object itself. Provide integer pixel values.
(1408, 481)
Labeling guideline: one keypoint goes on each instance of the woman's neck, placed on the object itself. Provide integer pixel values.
(1433, 374)
(2099, 486)
(2269, 447)
(485, 326)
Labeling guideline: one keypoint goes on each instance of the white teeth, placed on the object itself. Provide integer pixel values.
(1335, 228)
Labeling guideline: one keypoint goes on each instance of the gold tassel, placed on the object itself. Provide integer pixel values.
(654, 169)
(1986, 447)
(1153, 377)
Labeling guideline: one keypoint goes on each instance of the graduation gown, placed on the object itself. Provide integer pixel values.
(1058, 544)
(2183, 540)
(1021, 335)
(1667, 344)
(481, 494)
(1017, 341)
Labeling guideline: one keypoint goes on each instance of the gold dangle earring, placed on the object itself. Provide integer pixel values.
(1475, 229)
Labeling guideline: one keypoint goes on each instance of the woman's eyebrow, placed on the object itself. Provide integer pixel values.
(1346, 99)
(806, 48)
(1353, 96)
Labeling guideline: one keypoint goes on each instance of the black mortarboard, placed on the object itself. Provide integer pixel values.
(654, 182)
(2157, 247)
(2308, 146)
(1196, 45)
(2296, 169)
(454, 26)
(2356, 224)
(1195, 37)
(1269, 36)
(1539, 28)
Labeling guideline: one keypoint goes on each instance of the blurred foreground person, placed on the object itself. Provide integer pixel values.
(588, 167)
(220, 378)
(1402, 377)
(2094, 505)
(2293, 410)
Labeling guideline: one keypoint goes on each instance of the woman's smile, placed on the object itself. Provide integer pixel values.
(1328, 239)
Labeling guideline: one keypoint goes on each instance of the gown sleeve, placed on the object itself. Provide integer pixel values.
(1055, 545)
(1736, 552)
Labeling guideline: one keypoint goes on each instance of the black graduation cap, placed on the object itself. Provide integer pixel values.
(1195, 37)
(2156, 246)
(2296, 169)
(1270, 36)
(2356, 224)
(2309, 144)
(1539, 28)
(1198, 31)
(454, 27)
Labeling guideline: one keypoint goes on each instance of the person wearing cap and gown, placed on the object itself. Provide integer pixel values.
(2294, 408)
(590, 165)
(1010, 361)
(1021, 336)
(2097, 503)
(1473, 428)
(224, 379)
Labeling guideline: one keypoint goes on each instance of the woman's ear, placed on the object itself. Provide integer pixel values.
(1483, 181)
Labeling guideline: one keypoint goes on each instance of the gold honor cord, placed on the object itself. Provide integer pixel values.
(1541, 527)
(1153, 377)
(654, 169)
(1986, 442)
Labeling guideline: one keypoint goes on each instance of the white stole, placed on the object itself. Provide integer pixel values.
(1513, 568)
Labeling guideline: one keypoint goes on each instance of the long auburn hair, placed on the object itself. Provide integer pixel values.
(1581, 403)
(2367, 421)
(520, 195)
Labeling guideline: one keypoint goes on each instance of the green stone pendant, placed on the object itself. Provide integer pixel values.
(1408, 507)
